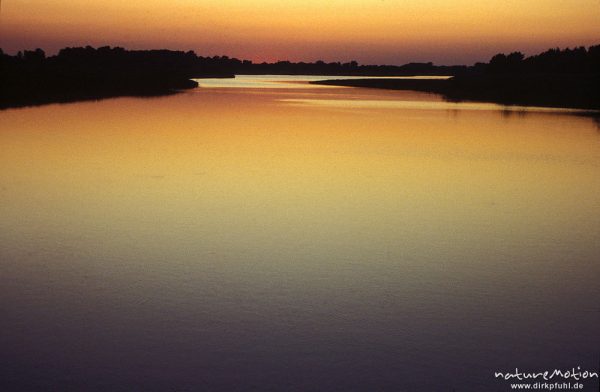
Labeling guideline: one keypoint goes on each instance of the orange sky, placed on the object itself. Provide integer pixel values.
(369, 31)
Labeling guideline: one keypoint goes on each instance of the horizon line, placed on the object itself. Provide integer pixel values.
(55, 53)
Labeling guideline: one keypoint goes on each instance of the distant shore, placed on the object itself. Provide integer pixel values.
(82, 74)
(71, 93)
(568, 78)
(581, 91)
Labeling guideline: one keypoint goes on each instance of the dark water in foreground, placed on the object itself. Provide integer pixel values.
(295, 239)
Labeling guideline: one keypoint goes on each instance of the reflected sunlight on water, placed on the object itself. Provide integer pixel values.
(428, 105)
(224, 238)
(287, 81)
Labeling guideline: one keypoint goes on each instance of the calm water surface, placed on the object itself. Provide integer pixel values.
(297, 238)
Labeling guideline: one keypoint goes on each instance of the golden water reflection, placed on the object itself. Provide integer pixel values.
(236, 212)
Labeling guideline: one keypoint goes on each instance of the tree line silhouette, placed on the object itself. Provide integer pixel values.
(555, 78)
(31, 77)
(573, 61)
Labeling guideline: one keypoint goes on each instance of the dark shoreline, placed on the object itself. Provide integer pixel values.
(52, 96)
(553, 91)
(548, 90)
(83, 74)
(568, 78)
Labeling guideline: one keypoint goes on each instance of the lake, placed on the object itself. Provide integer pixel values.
(266, 234)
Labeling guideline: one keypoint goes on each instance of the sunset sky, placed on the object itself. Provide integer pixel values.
(369, 31)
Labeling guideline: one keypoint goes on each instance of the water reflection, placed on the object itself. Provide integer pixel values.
(228, 239)
(431, 105)
(597, 121)
(288, 81)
